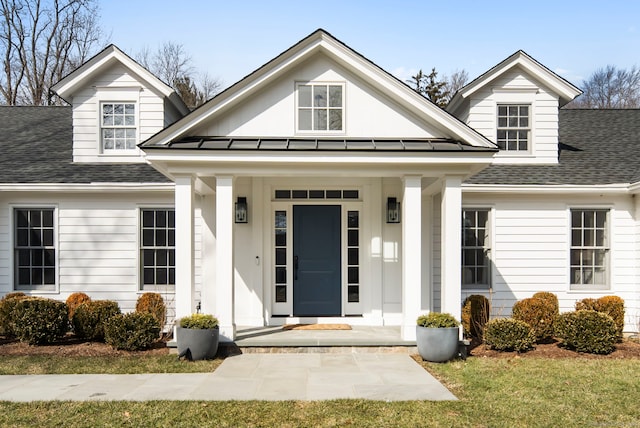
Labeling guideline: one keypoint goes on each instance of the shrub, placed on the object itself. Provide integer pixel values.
(74, 300)
(540, 314)
(7, 305)
(132, 332)
(90, 317)
(437, 320)
(610, 305)
(509, 334)
(152, 303)
(549, 297)
(475, 314)
(39, 321)
(199, 321)
(589, 331)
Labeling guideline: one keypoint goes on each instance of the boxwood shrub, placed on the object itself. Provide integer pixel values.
(610, 305)
(153, 303)
(39, 321)
(132, 332)
(588, 331)
(90, 317)
(475, 314)
(509, 334)
(540, 314)
(7, 319)
(74, 300)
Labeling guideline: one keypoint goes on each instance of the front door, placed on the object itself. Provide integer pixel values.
(316, 260)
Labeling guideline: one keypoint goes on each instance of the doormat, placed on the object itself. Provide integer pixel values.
(316, 327)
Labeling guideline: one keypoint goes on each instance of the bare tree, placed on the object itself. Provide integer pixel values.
(437, 90)
(610, 87)
(173, 64)
(455, 81)
(41, 41)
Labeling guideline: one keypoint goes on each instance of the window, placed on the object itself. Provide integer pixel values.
(476, 249)
(320, 107)
(118, 127)
(34, 249)
(353, 256)
(589, 249)
(513, 128)
(280, 227)
(157, 249)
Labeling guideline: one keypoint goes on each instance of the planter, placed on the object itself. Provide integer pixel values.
(197, 344)
(437, 344)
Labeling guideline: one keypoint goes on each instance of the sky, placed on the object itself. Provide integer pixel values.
(230, 39)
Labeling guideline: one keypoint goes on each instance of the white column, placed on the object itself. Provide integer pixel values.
(224, 258)
(411, 255)
(207, 286)
(451, 293)
(185, 289)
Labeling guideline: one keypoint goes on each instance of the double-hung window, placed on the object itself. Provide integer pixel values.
(34, 249)
(514, 127)
(320, 107)
(118, 126)
(476, 249)
(157, 248)
(589, 249)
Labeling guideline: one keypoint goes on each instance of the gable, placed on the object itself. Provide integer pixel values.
(264, 102)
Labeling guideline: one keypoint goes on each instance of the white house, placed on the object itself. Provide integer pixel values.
(320, 189)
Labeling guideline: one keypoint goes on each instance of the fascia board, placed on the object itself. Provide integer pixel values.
(87, 187)
(612, 189)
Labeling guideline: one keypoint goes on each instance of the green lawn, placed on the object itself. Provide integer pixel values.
(513, 392)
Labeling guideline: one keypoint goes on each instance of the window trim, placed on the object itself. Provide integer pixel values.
(609, 227)
(297, 108)
(118, 95)
(12, 247)
(135, 127)
(160, 288)
(529, 129)
(490, 232)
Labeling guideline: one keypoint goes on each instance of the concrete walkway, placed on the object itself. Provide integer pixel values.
(387, 377)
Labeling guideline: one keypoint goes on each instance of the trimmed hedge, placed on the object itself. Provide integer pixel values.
(588, 331)
(7, 319)
(132, 332)
(540, 314)
(153, 303)
(549, 297)
(509, 334)
(610, 305)
(39, 321)
(475, 314)
(74, 300)
(90, 318)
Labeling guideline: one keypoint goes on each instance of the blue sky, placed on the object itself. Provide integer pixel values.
(229, 39)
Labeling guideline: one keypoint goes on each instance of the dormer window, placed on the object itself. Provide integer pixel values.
(320, 107)
(118, 127)
(513, 127)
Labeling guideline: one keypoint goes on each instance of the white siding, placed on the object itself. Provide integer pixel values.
(116, 83)
(97, 245)
(272, 111)
(530, 252)
(517, 87)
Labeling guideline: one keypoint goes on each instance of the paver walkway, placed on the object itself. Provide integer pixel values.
(388, 377)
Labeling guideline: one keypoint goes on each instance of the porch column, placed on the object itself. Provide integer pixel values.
(411, 209)
(185, 288)
(451, 278)
(224, 258)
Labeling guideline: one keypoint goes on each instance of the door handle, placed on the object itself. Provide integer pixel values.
(295, 268)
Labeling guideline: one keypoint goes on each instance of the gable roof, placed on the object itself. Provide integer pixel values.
(320, 41)
(562, 87)
(597, 147)
(97, 64)
(36, 147)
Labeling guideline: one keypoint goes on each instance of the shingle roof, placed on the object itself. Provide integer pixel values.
(36, 147)
(597, 147)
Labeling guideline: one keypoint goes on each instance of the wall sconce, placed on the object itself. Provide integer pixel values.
(242, 212)
(393, 210)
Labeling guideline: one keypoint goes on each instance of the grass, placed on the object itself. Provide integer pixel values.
(523, 392)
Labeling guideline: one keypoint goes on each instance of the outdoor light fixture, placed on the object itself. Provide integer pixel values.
(242, 213)
(393, 210)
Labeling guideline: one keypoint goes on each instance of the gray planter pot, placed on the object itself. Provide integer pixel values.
(437, 344)
(197, 344)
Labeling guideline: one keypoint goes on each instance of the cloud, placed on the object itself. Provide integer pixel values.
(404, 73)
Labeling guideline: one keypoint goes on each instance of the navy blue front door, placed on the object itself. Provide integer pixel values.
(316, 260)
